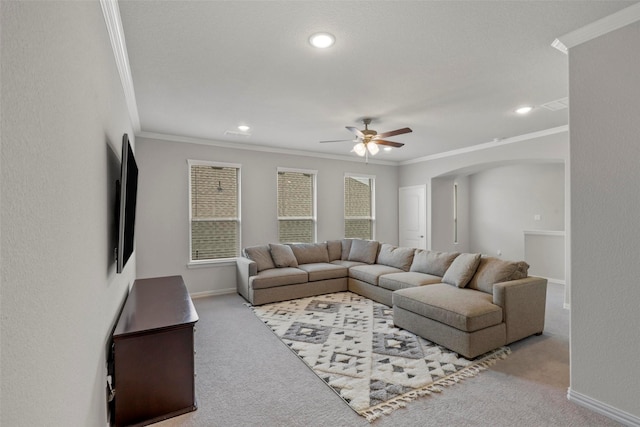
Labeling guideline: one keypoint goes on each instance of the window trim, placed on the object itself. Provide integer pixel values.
(203, 262)
(314, 202)
(373, 202)
(455, 213)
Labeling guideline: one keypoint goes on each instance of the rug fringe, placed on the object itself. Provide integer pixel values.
(373, 413)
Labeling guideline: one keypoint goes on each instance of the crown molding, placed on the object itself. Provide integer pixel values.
(274, 150)
(488, 145)
(252, 147)
(620, 19)
(111, 13)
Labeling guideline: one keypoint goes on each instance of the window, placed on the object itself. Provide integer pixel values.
(359, 206)
(455, 213)
(214, 210)
(296, 205)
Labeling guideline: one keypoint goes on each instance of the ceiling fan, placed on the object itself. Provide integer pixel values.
(367, 140)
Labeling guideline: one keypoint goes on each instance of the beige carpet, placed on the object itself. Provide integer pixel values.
(246, 377)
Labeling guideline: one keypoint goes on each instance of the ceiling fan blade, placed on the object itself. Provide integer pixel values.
(389, 143)
(393, 133)
(356, 131)
(338, 140)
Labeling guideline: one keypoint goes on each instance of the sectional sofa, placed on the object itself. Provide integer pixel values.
(466, 302)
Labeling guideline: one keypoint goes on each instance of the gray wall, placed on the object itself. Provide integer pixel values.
(544, 147)
(605, 182)
(163, 229)
(504, 200)
(439, 174)
(545, 252)
(63, 116)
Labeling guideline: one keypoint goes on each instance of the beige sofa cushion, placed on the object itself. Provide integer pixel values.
(346, 263)
(278, 277)
(432, 262)
(324, 271)
(461, 270)
(308, 253)
(334, 248)
(395, 257)
(364, 251)
(261, 256)
(463, 309)
(371, 272)
(495, 270)
(282, 255)
(406, 279)
(346, 248)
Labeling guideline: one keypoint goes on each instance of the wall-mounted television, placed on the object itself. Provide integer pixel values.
(127, 191)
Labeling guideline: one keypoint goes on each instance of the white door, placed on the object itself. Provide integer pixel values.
(412, 216)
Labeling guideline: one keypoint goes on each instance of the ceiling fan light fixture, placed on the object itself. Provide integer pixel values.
(368, 141)
(360, 149)
(322, 40)
(526, 109)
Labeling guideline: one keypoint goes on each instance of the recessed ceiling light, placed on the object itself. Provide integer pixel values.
(322, 40)
(524, 110)
(387, 148)
(243, 128)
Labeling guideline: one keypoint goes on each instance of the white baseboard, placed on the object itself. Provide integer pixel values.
(556, 281)
(603, 409)
(215, 292)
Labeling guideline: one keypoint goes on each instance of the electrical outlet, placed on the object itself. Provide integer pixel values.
(499, 252)
(536, 217)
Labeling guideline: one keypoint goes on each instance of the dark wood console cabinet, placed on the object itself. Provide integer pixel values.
(153, 353)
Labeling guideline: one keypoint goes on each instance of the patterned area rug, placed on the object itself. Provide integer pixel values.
(350, 342)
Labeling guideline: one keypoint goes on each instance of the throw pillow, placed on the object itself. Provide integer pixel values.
(394, 256)
(261, 256)
(346, 248)
(282, 255)
(495, 270)
(364, 251)
(461, 270)
(432, 262)
(307, 253)
(334, 247)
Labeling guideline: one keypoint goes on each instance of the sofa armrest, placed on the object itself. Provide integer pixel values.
(523, 303)
(245, 268)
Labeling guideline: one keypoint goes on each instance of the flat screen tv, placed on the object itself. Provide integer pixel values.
(127, 191)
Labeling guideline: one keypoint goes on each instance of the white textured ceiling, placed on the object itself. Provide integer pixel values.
(453, 71)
